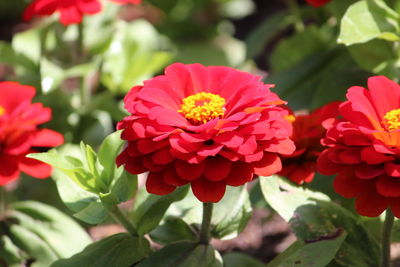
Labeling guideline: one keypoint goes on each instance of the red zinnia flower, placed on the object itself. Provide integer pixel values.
(19, 134)
(307, 132)
(207, 126)
(317, 3)
(364, 147)
(71, 11)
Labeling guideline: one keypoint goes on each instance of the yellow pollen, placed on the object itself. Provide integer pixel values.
(202, 107)
(2, 110)
(392, 120)
(290, 118)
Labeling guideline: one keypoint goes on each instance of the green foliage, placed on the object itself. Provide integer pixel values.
(36, 232)
(119, 250)
(87, 181)
(237, 259)
(313, 217)
(184, 254)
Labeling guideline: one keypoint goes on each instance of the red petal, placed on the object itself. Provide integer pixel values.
(371, 156)
(208, 191)
(47, 138)
(350, 155)
(172, 178)
(9, 169)
(156, 185)
(326, 166)
(189, 171)
(70, 15)
(371, 204)
(392, 169)
(270, 164)
(388, 186)
(34, 167)
(89, 6)
(162, 156)
(240, 174)
(217, 168)
(348, 185)
(385, 94)
(365, 171)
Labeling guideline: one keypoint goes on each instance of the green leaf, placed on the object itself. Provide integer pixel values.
(173, 229)
(120, 250)
(10, 57)
(274, 188)
(263, 33)
(42, 255)
(184, 254)
(10, 254)
(312, 217)
(63, 235)
(230, 215)
(315, 254)
(150, 209)
(124, 185)
(108, 152)
(367, 20)
(238, 259)
(28, 43)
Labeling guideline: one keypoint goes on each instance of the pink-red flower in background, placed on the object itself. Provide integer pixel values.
(301, 166)
(364, 147)
(19, 132)
(205, 126)
(71, 11)
(317, 3)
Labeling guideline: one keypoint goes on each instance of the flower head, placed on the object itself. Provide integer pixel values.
(364, 147)
(317, 3)
(19, 132)
(71, 11)
(205, 126)
(301, 166)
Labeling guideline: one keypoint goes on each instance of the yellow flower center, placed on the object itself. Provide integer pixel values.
(290, 118)
(392, 120)
(2, 110)
(202, 107)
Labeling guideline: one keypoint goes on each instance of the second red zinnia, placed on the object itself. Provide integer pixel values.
(205, 126)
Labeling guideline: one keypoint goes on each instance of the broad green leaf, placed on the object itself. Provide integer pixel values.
(119, 250)
(292, 50)
(28, 43)
(230, 215)
(150, 209)
(63, 235)
(108, 151)
(314, 254)
(10, 57)
(263, 33)
(124, 185)
(238, 259)
(313, 217)
(274, 188)
(367, 20)
(10, 254)
(41, 253)
(173, 229)
(184, 254)
(376, 56)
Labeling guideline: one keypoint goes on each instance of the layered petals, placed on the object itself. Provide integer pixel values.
(19, 133)
(317, 3)
(206, 126)
(363, 147)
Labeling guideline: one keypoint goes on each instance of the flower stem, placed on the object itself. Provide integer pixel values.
(3, 202)
(295, 10)
(118, 216)
(205, 231)
(386, 234)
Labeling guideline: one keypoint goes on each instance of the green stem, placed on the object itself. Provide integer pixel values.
(84, 90)
(205, 231)
(295, 10)
(3, 202)
(117, 215)
(386, 236)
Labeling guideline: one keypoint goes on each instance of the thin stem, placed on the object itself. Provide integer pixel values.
(3, 202)
(84, 90)
(80, 41)
(205, 231)
(295, 10)
(117, 215)
(386, 234)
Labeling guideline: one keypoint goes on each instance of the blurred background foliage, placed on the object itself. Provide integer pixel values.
(312, 56)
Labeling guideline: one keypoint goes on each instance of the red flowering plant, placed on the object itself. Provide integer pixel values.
(20, 134)
(300, 167)
(363, 147)
(71, 11)
(205, 126)
(317, 3)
